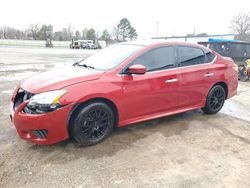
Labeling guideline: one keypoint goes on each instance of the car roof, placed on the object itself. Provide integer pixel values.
(161, 43)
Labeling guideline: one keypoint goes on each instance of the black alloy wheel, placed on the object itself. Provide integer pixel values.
(93, 123)
(215, 100)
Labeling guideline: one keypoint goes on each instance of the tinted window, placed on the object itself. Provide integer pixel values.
(190, 56)
(210, 57)
(158, 59)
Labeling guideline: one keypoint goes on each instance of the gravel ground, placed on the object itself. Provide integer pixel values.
(185, 150)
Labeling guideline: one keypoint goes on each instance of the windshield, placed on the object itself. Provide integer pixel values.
(110, 57)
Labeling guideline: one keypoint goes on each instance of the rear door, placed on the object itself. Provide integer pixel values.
(196, 75)
(154, 91)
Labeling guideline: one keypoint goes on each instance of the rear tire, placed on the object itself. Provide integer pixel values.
(215, 100)
(92, 123)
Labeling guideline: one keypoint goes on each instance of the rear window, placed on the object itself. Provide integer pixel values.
(190, 56)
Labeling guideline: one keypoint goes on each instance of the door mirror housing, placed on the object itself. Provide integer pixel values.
(136, 69)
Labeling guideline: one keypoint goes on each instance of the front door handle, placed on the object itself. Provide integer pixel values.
(209, 74)
(172, 80)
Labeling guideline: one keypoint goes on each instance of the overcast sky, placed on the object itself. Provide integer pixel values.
(177, 17)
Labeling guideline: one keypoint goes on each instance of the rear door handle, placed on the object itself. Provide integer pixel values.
(209, 74)
(172, 80)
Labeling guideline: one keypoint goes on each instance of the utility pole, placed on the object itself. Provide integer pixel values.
(157, 28)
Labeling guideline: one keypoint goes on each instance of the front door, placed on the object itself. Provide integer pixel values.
(155, 91)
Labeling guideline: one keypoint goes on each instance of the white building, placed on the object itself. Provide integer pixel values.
(196, 39)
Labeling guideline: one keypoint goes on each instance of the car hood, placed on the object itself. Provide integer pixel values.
(59, 78)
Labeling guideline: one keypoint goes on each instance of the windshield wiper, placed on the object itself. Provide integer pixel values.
(77, 62)
(83, 65)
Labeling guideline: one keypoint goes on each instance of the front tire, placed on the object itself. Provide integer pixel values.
(215, 100)
(92, 123)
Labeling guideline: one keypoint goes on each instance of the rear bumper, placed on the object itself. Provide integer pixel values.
(54, 122)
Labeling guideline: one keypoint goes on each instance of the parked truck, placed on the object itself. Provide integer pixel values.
(83, 44)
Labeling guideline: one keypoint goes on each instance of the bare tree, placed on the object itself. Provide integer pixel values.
(33, 30)
(7, 32)
(4, 32)
(84, 33)
(115, 33)
(70, 32)
(241, 25)
(67, 33)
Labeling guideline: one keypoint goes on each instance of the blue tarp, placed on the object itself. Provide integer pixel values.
(222, 40)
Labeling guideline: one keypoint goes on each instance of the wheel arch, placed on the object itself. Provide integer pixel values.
(224, 85)
(78, 106)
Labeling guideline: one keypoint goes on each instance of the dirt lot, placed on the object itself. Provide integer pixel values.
(186, 150)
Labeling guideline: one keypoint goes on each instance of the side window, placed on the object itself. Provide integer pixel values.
(158, 59)
(190, 56)
(210, 57)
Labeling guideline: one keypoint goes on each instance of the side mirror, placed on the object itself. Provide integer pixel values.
(136, 69)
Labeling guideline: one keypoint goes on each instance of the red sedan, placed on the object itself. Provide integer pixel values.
(120, 85)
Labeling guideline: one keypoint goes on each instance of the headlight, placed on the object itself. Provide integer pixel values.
(46, 102)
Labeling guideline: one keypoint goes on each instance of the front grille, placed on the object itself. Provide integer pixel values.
(40, 133)
(20, 97)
